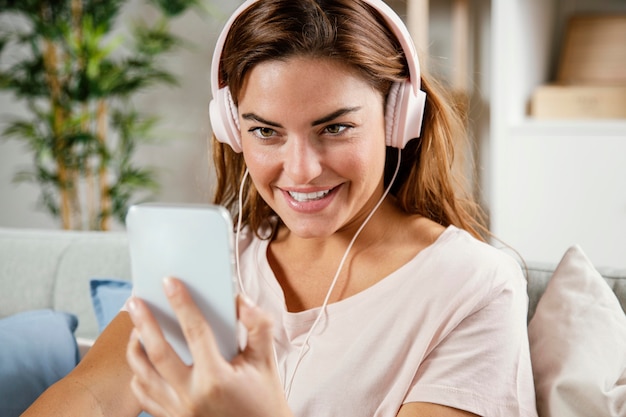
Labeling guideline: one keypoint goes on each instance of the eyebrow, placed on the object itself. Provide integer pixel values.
(256, 118)
(325, 119)
(335, 114)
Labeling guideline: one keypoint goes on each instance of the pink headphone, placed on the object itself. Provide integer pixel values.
(405, 103)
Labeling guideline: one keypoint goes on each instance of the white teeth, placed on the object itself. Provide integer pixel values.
(302, 197)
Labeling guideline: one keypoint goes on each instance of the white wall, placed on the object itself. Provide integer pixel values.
(181, 154)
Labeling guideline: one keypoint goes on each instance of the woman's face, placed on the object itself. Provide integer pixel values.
(313, 137)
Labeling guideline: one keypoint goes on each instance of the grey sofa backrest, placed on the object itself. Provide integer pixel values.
(51, 269)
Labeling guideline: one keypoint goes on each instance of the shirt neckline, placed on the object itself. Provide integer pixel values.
(347, 304)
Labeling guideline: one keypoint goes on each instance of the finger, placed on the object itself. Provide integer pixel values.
(138, 361)
(197, 331)
(260, 347)
(154, 346)
(143, 371)
(147, 403)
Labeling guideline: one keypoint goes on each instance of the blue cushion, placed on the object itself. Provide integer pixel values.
(37, 348)
(108, 297)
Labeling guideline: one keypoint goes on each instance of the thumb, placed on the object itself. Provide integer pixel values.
(259, 325)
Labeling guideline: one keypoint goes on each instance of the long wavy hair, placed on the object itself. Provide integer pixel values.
(430, 181)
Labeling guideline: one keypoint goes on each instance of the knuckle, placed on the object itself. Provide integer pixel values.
(159, 353)
(266, 323)
(196, 331)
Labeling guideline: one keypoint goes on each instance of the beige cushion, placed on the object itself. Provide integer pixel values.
(578, 343)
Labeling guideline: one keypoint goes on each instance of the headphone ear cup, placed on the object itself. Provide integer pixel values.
(403, 114)
(391, 124)
(223, 116)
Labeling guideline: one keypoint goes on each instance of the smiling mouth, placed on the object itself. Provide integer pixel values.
(305, 197)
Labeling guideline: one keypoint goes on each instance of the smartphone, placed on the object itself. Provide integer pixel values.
(193, 243)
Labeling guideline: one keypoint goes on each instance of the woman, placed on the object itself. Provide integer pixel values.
(367, 288)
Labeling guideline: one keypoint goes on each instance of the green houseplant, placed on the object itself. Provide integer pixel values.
(77, 73)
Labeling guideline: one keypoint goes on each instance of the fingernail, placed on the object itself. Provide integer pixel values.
(169, 286)
(133, 309)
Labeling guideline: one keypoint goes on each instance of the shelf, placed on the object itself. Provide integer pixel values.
(527, 47)
(578, 128)
(563, 180)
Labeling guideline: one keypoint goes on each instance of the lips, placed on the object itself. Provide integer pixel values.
(304, 197)
(310, 202)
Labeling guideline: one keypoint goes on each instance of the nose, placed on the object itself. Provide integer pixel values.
(302, 163)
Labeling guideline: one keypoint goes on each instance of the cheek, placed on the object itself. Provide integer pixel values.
(262, 168)
(371, 156)
(364, 167)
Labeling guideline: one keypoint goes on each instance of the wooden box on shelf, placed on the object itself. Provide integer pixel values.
(594, 50)
(579, 102)
(591, 75)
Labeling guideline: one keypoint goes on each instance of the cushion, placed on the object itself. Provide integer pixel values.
(578, 343)
(37, 348)
(108, 297)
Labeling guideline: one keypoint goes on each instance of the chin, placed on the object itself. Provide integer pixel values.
(311, 230)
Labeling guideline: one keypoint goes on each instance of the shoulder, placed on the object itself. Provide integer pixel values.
(472, 253)
(458, 259)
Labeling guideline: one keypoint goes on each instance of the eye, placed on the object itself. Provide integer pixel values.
(262, 132)
(335, 129)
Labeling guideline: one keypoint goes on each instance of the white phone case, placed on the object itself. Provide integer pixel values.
(193, 243)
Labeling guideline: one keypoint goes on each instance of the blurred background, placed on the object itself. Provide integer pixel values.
(548, 179)
(178, 152)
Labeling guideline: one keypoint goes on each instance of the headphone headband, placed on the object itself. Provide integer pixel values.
(405, 103)
(393, 20)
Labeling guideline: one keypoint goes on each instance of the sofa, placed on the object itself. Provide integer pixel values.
(52, 269)
(576, 319)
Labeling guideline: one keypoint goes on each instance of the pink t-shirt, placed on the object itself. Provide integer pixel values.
(448, 327)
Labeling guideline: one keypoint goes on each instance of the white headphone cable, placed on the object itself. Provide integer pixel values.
(304, 348)
(239, 220)
(305, 344)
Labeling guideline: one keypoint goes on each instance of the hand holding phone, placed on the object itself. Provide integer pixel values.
(193, 243)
